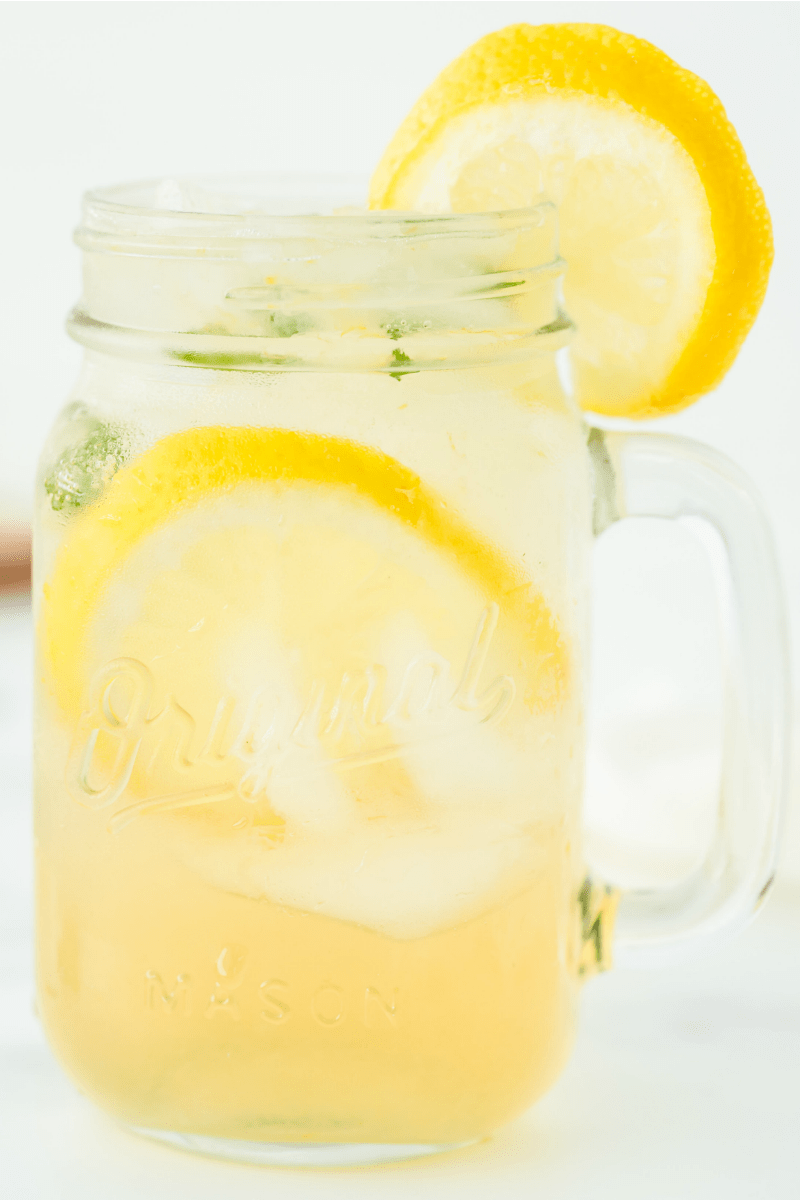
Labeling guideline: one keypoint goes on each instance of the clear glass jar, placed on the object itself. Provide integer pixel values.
(312, 585)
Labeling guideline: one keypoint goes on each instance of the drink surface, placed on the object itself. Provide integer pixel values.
(309, 746)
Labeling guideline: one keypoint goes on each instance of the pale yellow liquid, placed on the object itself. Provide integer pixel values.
(178, 1006)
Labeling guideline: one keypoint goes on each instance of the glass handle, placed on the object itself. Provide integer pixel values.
(659, 475)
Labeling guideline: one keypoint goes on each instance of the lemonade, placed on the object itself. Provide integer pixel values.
(312, 579)
(311, 653)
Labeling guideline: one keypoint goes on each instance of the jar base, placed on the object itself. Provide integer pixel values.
(297, 1154)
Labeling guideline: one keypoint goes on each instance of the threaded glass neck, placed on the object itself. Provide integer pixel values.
(237, 274)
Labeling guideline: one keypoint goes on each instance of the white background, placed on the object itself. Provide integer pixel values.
(651, 1107)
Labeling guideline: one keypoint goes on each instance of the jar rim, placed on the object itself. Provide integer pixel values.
(184, 214)
(206, 271)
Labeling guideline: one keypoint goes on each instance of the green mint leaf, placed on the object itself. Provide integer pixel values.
(560, 323)
(82, 471)
(285, 325)
(197, 359)
(277, 325)
(401, 358)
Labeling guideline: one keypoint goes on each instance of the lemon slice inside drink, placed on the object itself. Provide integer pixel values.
(275, 642)
(663, 227)
(274, 480)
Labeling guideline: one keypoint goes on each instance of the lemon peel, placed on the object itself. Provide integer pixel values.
(621, 367)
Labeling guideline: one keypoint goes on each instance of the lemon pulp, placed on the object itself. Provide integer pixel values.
(664, 229)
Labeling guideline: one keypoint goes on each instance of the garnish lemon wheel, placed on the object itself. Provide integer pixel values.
(663, 227)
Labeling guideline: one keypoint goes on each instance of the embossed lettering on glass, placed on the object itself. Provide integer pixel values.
(312, 589)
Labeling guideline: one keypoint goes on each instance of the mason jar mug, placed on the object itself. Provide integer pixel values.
(312, 580)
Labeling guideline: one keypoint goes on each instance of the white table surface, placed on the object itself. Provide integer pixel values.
(684, 1085)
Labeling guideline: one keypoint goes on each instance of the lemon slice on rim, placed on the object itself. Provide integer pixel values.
(663, 227)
